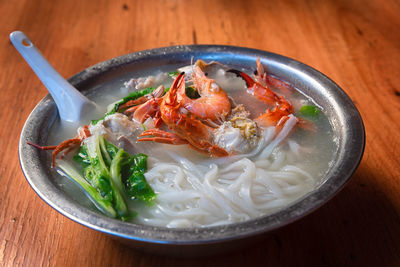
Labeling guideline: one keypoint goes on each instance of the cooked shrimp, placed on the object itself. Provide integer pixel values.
(281, 106)
(149, 106)
(186, 127)
(213, 103)
(266, 79)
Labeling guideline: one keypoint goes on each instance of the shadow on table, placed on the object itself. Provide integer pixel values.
(358, 226)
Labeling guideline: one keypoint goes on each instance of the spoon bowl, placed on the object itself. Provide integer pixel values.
(71, 104)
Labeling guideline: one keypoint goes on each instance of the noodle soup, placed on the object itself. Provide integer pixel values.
(196, 190)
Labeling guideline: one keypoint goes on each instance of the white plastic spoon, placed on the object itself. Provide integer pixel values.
(71, 104)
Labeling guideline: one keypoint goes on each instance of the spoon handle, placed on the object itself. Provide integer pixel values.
(70, 102)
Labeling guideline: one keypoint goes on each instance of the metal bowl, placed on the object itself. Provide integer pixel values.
(345, 119)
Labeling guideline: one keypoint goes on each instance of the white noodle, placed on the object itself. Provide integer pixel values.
(205, 192)
(197, 195)
(290, 123)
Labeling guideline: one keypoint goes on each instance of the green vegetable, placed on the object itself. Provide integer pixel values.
(103, 157)
(82, 156)
(103, 153)
(103, 204)
(136, 184)
(309, 111)
(111, 177)
(115, 168)
(138, 188)
(174, 73)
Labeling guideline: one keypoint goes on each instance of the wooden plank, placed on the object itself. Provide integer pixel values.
(356, 43)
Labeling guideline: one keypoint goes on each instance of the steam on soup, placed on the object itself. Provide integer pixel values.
(200, 146)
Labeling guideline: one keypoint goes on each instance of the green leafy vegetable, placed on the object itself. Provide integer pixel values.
(111, 177)
(174, 73)
(115, 168)
(309, 111)
(82, 156)
(139, 188)
(103, 204)
(136, 184)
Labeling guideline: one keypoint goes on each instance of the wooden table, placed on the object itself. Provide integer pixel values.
(356, 43)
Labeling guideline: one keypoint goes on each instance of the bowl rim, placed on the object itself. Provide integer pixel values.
(36, 173)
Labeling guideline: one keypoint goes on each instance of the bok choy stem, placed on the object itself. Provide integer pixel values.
(103, 157)
(111, 176)
(115, 168)
(98, 200)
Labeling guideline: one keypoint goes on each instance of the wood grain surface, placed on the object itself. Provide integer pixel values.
(356, 43)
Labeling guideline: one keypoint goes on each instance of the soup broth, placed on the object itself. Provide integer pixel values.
(195, 190)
